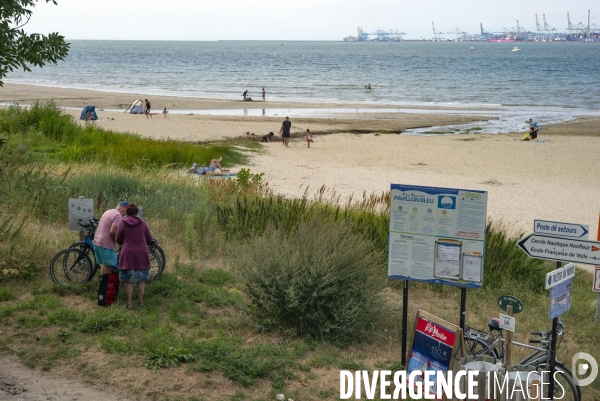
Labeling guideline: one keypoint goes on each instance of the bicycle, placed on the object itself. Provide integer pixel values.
(78, 262)
(492, 344)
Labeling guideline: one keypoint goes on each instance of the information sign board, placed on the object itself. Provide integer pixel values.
(505, 300)
(560, 275)
(561, 249)
(597, 279)
(507, 322)
(437, 235)
(80, 210)
(434, 345)
(560, 298)
(558, 229)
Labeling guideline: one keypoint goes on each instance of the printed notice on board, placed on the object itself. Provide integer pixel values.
(437, 235)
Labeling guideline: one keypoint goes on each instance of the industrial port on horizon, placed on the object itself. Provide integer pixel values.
(543, 33)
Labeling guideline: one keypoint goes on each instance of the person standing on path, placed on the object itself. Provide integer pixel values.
(285, 131)
(134, 261)
(263, 94)
(148, 108)
(104, 239)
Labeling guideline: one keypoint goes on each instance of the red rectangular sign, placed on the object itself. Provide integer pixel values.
(436, 332)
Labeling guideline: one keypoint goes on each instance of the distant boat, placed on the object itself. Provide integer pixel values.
(472, 49)
(516, 49)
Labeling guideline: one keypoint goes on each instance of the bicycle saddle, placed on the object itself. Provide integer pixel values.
(494, 324)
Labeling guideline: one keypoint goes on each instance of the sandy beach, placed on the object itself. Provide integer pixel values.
(555, 180)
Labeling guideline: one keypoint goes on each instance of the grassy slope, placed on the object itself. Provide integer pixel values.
(197, 317)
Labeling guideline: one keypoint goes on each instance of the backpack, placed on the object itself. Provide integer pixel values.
(109, 289)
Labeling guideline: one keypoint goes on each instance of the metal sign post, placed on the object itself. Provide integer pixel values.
(404, 323)
(553, 349)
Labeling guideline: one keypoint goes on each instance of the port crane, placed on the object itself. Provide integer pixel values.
(437, 35)
(460, 35)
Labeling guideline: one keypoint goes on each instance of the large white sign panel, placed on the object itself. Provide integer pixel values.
(561, 249)
(80, 211)
(558, 229)
(437, 235)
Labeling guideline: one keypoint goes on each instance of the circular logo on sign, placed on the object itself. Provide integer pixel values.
(429, 210)
(444, 212)
(415, 209)
(399, 207)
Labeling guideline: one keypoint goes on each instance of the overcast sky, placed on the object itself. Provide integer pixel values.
(294, 20)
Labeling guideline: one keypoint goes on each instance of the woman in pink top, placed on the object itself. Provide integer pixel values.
(134, 261)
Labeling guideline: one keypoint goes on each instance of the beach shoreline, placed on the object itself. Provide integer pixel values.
(525, 181)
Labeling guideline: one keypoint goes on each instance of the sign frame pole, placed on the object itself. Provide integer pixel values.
(463, 307)
(404, 331)
(553, 349)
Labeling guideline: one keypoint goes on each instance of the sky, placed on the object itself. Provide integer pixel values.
(294, 20)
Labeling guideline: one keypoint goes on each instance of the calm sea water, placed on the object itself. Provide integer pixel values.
(407, 73)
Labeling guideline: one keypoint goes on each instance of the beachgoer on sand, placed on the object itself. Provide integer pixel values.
(245, 94)
(263, 94)
(147, 108)
(308, 138)
(165, 111)
(285, 131)
(267, 137)
(216, 164)
(531, 135)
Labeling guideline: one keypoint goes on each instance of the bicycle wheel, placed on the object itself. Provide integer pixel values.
(477, 346)
(157, 264)
(89, 251)
(71, 267)
(565, 388)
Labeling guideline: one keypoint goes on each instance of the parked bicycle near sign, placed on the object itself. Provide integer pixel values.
(492, 344)
(77, 265)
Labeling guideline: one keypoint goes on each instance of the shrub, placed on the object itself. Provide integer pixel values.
(505, 262)
(319, 280)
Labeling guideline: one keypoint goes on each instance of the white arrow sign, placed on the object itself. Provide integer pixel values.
(556, 228)
(561, 249)
(558, 276)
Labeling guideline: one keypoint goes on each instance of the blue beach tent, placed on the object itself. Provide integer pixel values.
(87, 109)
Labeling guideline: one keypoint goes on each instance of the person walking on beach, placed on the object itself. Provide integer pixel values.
(308, 137)
(134, 261)
(285, 131)
(263, 94)
(245, 94)
(165, 111)
(148, 108)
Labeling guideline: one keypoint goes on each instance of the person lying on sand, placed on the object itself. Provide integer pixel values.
(198, 170)
(216, 164)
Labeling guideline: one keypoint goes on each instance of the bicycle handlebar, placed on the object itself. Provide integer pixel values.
(534, 341)
(537, 333)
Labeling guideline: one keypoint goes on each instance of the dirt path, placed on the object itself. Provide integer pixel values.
(18, 382)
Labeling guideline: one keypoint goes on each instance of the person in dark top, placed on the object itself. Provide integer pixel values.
(267, 137)
(148, 108)
(285, 131)
(134, 261)
(245, 94)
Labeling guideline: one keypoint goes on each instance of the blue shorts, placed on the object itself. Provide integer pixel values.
(211, 169)
(134, 276)
(105, 256)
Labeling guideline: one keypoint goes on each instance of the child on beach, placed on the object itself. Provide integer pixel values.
(308, 137)
(165, 111)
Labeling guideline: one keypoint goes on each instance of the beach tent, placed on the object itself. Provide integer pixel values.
(87, 109)
(136, 107)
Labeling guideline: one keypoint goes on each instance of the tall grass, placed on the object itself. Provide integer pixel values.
(45, 130)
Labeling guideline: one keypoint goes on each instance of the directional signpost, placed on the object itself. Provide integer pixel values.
(562, 242)
(555, 228)
(560, 249)
(560, 275)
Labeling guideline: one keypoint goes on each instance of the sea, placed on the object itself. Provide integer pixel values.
(550, 82)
